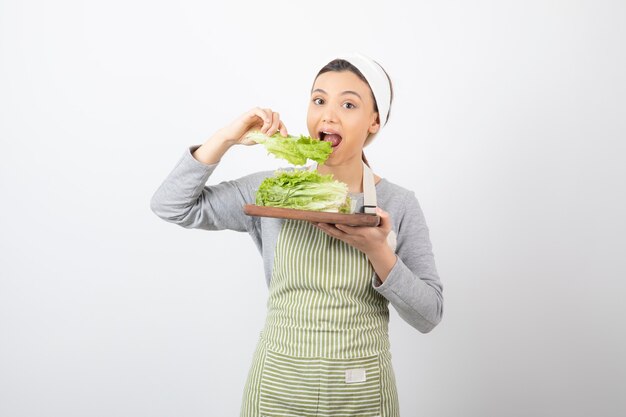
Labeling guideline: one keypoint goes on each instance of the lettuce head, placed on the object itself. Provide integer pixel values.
(304, 190)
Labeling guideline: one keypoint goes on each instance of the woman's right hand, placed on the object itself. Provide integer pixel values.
(264, 120)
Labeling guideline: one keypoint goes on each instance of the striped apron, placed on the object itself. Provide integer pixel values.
(324, 349)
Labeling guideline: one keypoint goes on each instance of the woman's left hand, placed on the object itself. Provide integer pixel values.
(366, 239)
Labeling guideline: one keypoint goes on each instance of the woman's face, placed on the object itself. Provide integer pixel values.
(341, 105)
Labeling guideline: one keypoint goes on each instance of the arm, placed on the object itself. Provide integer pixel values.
(413, 286)
(184, 199)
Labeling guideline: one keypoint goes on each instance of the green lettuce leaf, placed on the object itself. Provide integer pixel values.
(296, 150)
(304, 190)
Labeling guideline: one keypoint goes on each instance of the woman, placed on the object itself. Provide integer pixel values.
(324, 350)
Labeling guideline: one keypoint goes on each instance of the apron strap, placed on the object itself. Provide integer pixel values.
(369, 190)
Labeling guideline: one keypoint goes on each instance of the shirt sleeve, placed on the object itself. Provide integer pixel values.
(184, 199)
(413, 286)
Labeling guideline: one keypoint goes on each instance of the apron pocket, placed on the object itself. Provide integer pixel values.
(299, 386)
(289, 385)
(351, 387)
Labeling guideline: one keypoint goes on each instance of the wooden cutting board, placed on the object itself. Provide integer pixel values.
(357, 219)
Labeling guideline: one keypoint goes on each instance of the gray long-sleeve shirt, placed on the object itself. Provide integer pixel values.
(413, 286)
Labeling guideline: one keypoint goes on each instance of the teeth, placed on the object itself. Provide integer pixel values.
(323, 133)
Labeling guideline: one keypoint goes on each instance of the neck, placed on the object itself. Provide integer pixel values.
(349, 172)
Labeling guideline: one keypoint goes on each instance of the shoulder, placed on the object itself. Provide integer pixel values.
(400, 202)
(391, 186)
(391, 192)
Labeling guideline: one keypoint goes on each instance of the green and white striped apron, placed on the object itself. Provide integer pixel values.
(324, 350)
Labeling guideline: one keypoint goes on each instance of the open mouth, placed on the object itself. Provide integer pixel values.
(333, 138)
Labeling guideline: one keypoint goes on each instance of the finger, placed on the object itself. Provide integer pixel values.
(257, 111)
(283, 129)
(351, 230)
(328, 228)
(267, 123)
(333, 230)
(275, 123)
(385, 220)
(265, 117)
(262, 114)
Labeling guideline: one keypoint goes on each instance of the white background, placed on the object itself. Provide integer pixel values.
(509, 124)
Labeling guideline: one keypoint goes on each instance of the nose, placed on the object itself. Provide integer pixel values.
(328, 115)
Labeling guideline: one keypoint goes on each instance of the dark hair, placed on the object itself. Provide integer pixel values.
(339, 65)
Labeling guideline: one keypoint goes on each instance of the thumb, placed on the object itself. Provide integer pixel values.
(385, 220)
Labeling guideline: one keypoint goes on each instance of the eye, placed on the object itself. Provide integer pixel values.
(315, 100)
(350, 104)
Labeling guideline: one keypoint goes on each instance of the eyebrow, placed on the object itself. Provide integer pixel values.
(345, 92)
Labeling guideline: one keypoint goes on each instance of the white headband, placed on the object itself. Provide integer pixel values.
(379, 83)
